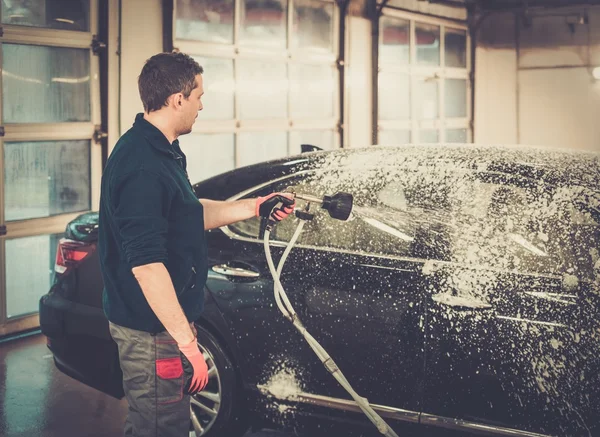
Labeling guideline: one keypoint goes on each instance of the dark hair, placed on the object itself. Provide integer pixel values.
(165, 74)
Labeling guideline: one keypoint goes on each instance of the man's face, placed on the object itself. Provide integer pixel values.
(191, 106)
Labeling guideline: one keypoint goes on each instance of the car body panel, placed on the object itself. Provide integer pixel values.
(368, 298)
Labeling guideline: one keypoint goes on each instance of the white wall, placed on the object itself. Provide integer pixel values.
(496, 82)
(141, 37)
(534, 84)
(359, 83)
(559, 108)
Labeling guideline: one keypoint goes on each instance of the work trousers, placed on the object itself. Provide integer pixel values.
(153, 382)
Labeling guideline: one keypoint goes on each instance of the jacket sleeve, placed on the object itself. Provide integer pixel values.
(141, 201)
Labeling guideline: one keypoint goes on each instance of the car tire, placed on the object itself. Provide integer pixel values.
(222, 412)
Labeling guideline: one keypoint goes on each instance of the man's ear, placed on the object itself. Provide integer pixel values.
(175, 100)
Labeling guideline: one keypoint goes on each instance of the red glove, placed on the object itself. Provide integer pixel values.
(198, 371)
(275, 206)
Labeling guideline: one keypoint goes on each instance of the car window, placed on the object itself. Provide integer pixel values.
(516, 225)
(386, 220)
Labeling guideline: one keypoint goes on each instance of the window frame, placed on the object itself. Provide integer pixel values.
(414, 71)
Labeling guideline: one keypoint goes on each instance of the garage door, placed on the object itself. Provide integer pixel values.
(50, 165)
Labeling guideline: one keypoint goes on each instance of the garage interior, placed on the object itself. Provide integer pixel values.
(278, 74)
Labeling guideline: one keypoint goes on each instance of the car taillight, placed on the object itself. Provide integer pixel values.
(70, 253)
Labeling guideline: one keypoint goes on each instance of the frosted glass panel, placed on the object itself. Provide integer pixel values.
(204, 20)
(312, 91)
(262, 89)
(207, 154)
(29, 272)
(428, 44)
(456, 48)
(53, 14)
(394, 47)
(426, 99)
(313, 25)
(429, 136)
(45, 84)
(390, 137)
(456, 136)
(42, 179)
(394, 96)
(219, 87)
(261, 146)
(264, 23)
(456, 98)
(319, 138)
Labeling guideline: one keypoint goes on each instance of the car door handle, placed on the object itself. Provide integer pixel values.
(460, 302)
(237, 272)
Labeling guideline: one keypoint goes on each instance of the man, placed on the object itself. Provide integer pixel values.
(153, 252)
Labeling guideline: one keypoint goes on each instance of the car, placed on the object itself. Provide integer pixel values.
(461, 296)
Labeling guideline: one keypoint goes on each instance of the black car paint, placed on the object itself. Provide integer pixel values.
(480, 375)
(446, 367)
(344, 300)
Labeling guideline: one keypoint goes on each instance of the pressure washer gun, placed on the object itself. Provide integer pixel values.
(339, 206)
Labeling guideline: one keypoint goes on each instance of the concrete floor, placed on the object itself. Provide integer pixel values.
(38, 400)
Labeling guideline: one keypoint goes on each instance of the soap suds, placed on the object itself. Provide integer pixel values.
(283, 385)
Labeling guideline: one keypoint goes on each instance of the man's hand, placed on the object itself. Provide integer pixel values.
(275, 206)
(194, 365)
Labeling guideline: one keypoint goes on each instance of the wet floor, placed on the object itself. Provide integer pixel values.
(38, 400)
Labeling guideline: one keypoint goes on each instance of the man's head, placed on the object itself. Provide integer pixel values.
(171, 84)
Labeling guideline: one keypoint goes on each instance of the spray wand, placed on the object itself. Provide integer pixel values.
(339, 206)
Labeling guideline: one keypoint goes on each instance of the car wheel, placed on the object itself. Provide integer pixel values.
(218, 410)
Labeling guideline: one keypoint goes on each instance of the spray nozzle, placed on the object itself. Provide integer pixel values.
(339, 206)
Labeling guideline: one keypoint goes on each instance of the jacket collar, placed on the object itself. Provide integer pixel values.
(156, 138)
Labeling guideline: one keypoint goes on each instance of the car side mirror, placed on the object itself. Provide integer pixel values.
(306, 148)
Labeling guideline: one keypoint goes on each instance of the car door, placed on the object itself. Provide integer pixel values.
(354, 292)
(509, 317)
